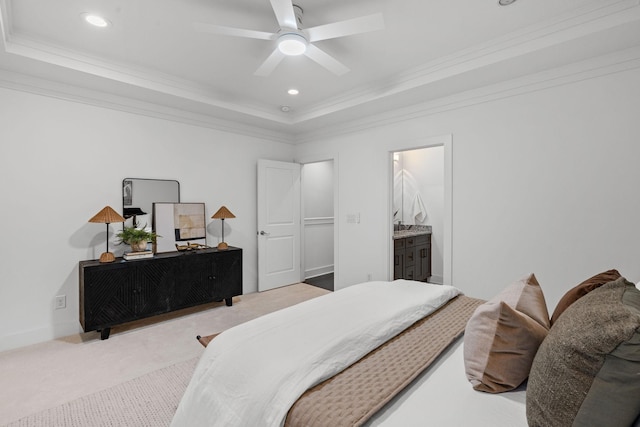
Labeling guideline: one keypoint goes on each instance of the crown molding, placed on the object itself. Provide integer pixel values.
(563, 28)
(607, 64)
(30, 84)
(621, 61)
(112, 70)
(146, 79)
(216, 113)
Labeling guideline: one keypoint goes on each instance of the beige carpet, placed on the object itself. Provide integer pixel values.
(74, 370)
(147, 401)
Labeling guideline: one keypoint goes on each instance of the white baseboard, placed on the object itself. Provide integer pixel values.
(436, 279)
(318, 271)
(34, 336)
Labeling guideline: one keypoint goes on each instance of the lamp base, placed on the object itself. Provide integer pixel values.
(222, 246)
(107, 257)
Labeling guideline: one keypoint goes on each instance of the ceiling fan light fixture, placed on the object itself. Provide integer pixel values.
(292, 44)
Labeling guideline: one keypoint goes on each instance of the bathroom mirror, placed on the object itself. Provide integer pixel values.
(139, 195)
(417, 183)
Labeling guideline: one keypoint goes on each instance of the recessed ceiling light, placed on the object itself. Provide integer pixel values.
(285, 108)
(293, 91)
(96, 20)
(505, 2)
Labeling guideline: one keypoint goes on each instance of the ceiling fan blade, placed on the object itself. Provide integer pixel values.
(327, 61)
(284, 13)
(364, 24)
(230, 31)
(270, 63)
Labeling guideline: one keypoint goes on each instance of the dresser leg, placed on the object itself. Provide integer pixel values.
(228, 301)
(104, 334)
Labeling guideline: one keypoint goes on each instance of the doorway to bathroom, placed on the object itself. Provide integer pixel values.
(419, 203)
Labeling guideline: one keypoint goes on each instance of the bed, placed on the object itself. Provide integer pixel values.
(376, 367)
(445, 389)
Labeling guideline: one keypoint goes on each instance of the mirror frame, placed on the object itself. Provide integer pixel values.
(128, 199)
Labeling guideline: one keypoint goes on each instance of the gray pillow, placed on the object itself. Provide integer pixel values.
(587, 370)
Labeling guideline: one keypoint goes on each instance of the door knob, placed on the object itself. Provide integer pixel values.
(264, 233)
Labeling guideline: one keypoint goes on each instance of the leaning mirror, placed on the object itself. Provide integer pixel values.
(139, 195)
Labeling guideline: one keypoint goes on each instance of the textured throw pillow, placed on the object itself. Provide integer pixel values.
(587, 370)
(577, 292)
(503, 335)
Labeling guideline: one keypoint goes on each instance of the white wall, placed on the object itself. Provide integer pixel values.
(543, 182)
(317, 199)
(61, 162)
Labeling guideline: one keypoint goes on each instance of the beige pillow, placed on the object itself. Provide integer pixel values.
(503, 335)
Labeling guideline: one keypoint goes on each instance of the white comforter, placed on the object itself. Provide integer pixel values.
(251, 374)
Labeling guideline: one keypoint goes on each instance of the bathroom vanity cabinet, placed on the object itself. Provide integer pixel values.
(412, 257)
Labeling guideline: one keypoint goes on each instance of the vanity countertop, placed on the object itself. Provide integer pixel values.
(418, 230)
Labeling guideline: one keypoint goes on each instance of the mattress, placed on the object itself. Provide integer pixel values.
(442, 396)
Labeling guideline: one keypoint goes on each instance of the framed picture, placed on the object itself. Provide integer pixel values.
(179, 223)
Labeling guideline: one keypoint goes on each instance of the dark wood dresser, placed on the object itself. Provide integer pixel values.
(123, 291)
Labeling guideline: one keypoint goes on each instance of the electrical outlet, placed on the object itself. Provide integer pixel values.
(61, 302)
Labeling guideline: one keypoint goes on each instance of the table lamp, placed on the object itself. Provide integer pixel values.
(222, 214)
(106, 216)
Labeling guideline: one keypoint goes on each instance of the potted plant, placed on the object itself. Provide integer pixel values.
(137, 238)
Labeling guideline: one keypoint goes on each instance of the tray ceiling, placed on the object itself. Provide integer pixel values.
(153, 54)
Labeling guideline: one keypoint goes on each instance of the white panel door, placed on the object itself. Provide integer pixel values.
(278, 224)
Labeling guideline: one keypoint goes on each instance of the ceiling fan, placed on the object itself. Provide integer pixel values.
(291, 39)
